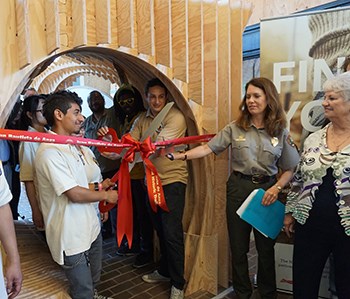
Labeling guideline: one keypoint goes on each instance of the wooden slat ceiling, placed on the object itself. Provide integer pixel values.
(62, 70)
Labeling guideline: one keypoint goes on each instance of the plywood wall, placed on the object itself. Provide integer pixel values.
(274, 8)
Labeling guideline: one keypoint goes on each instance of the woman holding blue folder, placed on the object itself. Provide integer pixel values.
(318, 205)
(261, 147)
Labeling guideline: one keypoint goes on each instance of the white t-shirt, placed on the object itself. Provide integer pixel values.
(93, 171)
(5, 197)
(27, 151)
(70, 227)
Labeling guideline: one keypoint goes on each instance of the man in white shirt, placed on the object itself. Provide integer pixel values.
(73, 230)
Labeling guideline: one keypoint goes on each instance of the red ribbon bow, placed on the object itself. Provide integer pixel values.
(154, 186)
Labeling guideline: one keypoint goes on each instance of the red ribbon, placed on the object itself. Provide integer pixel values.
(146, 148)
(28, 136)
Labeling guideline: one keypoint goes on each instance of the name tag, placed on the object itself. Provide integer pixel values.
(240, 138)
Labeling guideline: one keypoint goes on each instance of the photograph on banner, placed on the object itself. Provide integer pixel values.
(298, 53)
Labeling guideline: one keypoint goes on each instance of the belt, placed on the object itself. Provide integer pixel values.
(255, 178)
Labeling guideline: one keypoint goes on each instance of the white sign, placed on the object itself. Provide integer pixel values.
(284, 274)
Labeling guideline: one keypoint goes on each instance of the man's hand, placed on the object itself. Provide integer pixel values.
(107, 183)
(12, 271)
(104, 217)
(103, 131)
(111, 196)
(13, 276)
(38, 219)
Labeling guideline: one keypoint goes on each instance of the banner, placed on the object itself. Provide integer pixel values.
(298, 53)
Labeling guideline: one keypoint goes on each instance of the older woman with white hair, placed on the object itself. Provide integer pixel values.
(318, 205)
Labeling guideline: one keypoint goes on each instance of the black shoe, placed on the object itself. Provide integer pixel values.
(142, 260)
(125, 251)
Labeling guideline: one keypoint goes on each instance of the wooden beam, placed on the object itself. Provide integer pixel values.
(114, 24)
(79, 23)
(195, 51)
(162, 32)
(223, 118)
(52, 24)
(179, 41)
(103, 21)
(209, 64)
(90, 13)
(223, 61)
(239, 16)
(145, 30)
(23, 34)
(65, 14)
(124, 10)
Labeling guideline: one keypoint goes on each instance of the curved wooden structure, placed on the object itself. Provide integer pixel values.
(194, 46)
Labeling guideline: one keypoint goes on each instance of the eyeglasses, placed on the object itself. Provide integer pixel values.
(127, 101)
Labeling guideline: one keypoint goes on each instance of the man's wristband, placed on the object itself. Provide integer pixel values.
(98, 186)
(170, 156)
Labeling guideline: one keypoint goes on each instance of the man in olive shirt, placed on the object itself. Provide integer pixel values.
(173, 175)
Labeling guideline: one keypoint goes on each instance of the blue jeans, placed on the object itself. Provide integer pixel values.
(83, 270)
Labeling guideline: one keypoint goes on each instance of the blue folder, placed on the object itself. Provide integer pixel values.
(266, 219)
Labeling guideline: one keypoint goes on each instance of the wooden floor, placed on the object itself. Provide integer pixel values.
(44, 279)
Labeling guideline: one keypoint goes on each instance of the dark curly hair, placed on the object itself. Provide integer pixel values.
(61, 100)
